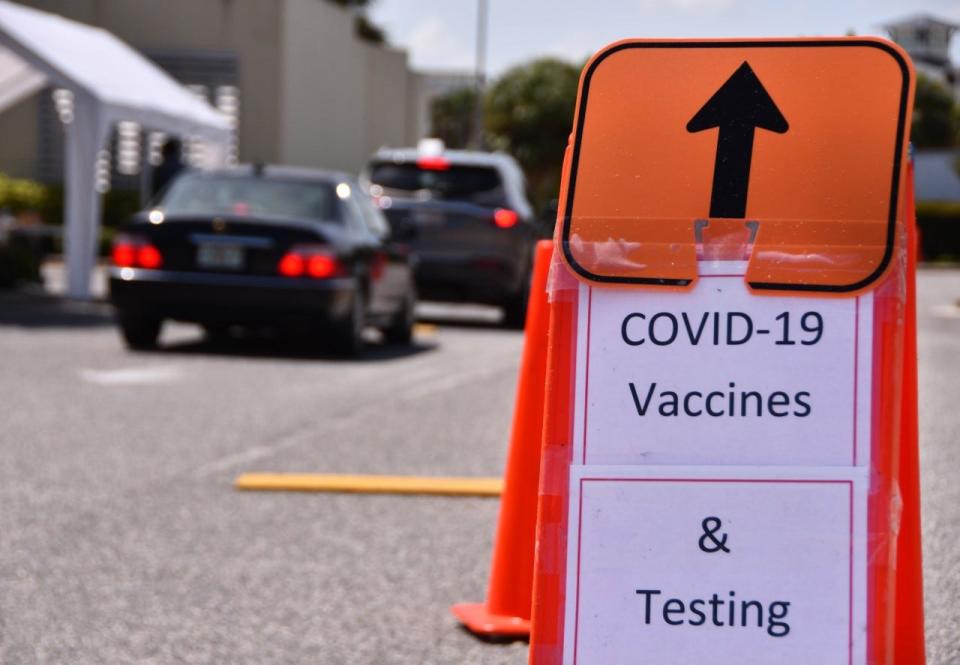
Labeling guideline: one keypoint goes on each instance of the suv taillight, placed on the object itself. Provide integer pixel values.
(135, 252)
(316, 262)
(505, 218)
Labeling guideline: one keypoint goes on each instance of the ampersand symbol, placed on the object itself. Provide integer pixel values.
(709, 542)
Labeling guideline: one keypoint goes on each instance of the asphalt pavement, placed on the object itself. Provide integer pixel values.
(938, 317)
(122, 540)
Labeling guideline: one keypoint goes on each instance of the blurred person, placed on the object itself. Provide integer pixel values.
(171, 164)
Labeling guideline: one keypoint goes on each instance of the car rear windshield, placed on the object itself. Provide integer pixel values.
(199, 194)
(476, 184)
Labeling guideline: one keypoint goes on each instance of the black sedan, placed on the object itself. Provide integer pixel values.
(280, 247)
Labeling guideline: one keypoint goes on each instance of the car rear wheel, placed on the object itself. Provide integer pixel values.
(348, 334)
(140, 331)
(400, 330)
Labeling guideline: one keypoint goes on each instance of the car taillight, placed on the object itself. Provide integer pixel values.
(505, 218)
(306, 261)
(320, 266)
(291, 265)
(124, 255)
(134, 252)
(149, 257)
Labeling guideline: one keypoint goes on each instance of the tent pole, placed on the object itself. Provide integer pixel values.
(85, 136)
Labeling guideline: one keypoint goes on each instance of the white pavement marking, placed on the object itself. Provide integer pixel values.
(448, 381)
(260, 452)
(345, 423)
(132, 376)
(244, 456)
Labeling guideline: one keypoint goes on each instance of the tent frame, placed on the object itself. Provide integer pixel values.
(94, 115)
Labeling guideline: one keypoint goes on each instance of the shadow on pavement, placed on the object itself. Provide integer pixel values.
(495, 639)
(35, 309)
(277, 346)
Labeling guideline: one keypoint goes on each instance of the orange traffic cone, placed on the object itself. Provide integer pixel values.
(507, 610)
(909, 638)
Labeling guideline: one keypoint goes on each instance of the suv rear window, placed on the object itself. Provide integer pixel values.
(481, 185)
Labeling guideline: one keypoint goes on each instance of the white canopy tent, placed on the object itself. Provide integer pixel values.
(109, 82)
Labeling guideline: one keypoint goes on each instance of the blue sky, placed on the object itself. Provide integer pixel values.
(439, 34)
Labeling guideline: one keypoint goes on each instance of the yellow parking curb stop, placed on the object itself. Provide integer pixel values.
(365, 484)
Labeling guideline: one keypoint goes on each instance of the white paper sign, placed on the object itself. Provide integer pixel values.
(711, 565)
(718, 375)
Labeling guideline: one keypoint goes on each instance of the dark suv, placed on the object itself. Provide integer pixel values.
(466, 219)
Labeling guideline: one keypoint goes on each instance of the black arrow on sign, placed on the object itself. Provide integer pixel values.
(738, 108)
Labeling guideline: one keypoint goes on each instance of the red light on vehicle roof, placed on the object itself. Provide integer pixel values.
(433, 163)
(505, 218)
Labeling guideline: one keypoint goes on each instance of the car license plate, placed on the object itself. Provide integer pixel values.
(223, 257)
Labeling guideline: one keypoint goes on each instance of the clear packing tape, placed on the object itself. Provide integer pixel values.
(824, 256)
(784, 259)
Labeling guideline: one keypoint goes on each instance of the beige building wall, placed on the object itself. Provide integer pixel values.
(341, 98)
(418, 117)
(387, 99)
(322, 89)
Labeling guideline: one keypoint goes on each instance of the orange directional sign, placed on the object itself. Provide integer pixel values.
(715, 457)
(804, 137)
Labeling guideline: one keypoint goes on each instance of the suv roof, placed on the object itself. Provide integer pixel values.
(460, 157)
(513, 179)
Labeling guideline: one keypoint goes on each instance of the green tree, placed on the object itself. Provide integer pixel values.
(452, 117)
(352, 4)
(935, 120)
(528, 113)
(363, 27)
(369, 31)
